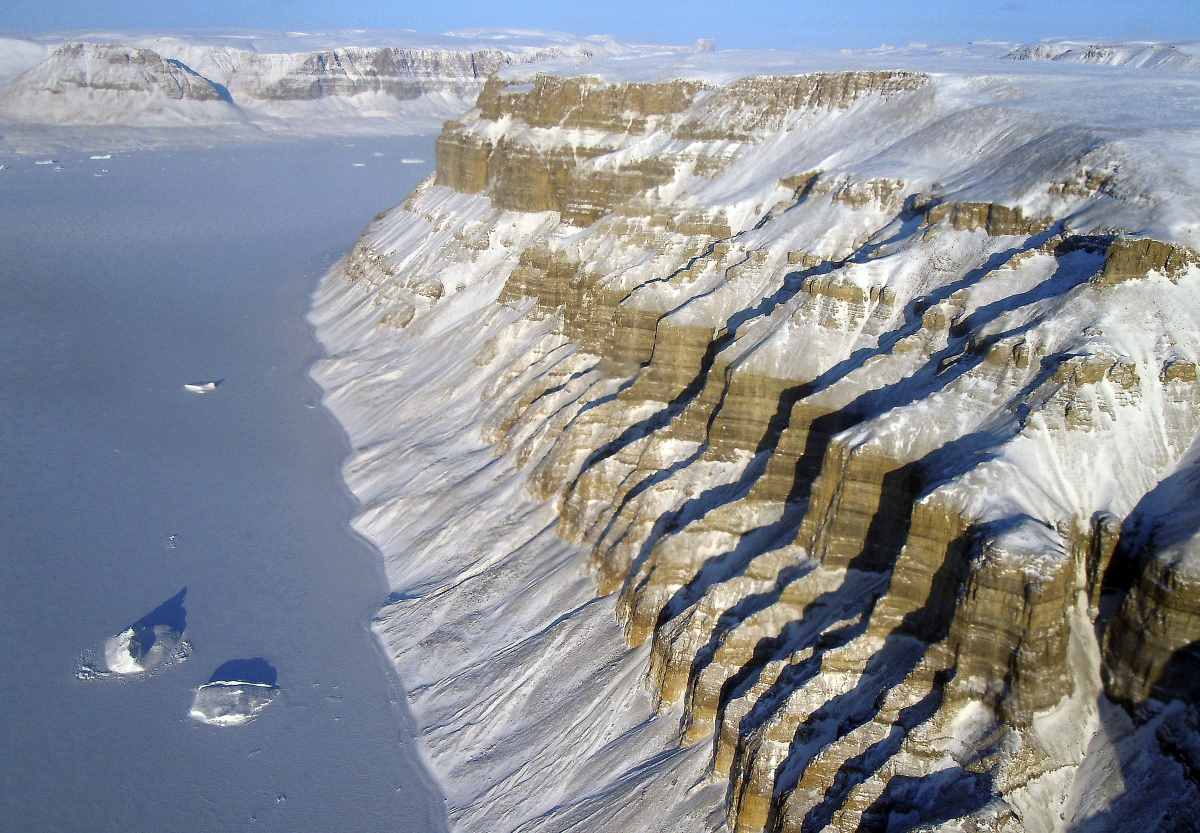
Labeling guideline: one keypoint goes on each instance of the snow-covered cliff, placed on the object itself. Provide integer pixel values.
(100, 84)
(1184, 57)
(791, 443)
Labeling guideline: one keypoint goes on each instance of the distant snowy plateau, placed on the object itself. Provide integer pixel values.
(397, 82)
(754, 440)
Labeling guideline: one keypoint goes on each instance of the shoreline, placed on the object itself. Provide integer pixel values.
(405, 720)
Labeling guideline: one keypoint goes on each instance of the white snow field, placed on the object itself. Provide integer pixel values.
(120, 487)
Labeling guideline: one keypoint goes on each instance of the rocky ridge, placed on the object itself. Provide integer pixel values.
(871, 422)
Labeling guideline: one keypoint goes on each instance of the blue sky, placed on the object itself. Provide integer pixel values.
(739, 23)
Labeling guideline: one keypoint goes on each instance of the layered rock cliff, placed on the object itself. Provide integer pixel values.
(867, 402)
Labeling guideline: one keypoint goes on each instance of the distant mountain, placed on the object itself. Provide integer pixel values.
(273, 81)
(1142, 55)
(98, 83)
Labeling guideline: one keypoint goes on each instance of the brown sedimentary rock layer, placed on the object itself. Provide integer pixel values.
(522, 178)
(1131, 259)
(461, 160)
(1151, 647)
(993, 218)
(581, 102)
(1010, 631)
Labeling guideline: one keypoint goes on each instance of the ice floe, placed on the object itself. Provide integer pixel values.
(237, 692)
(153, 642)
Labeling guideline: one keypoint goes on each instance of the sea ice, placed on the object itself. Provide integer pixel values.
(108, 561)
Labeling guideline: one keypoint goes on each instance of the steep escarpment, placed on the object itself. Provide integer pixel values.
(402, 73)
(872, 435)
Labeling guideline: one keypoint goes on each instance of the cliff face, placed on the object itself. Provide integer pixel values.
(397, 72)
(856, 428)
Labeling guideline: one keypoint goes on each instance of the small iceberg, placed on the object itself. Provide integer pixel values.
(359, 164)
(152, 642)
(101, 156)
(46, 162)
(409, 161)
(201, 388)
(236, 693)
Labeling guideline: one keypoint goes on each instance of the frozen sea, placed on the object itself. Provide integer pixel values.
(118, 489)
